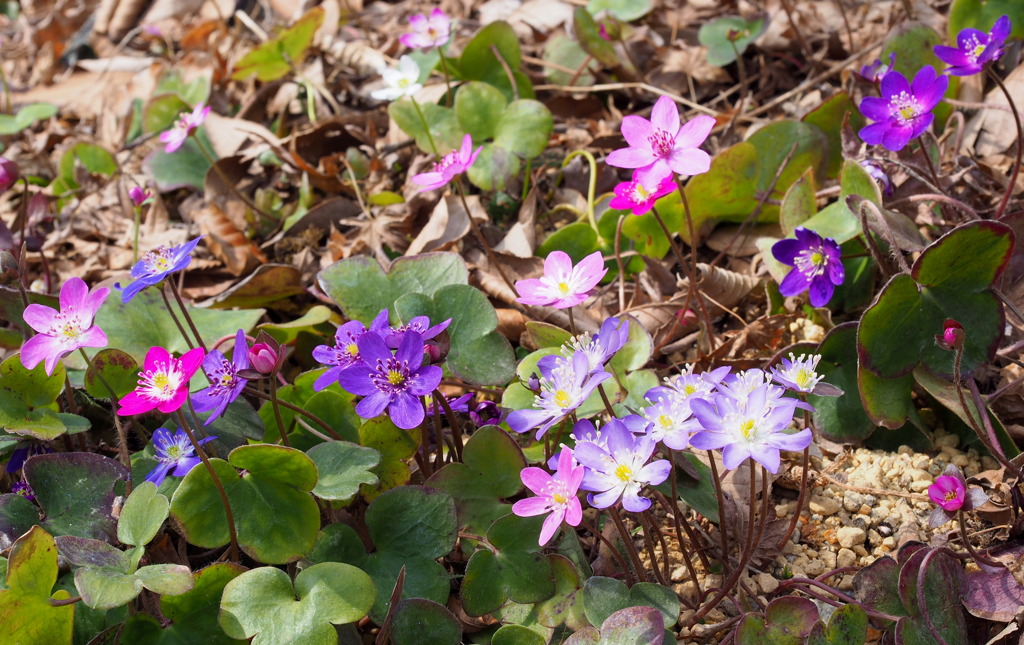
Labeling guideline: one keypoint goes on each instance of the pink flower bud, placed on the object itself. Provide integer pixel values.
(8, 173)
(263, 358)
(952, 336)
(138, 195)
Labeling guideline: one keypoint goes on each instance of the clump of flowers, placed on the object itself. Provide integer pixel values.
(62, 332)
(974, 49)
(345, 351)
(904, 111)
(562, 285)
(661, 146)
(401, 81)
(951, 495)
(427, 31)
(175, 453)
(449, 167)
(157, 265)
(555, 495)
(176, 136)
(225, 382)
(817, 266)
(163, 383)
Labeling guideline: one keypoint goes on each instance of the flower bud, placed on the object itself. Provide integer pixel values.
(138, 195)
(437, 348)
(952, 336)
(8, 173)
(8, 268)
(265, 355)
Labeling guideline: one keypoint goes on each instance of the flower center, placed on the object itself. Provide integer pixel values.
(811, 262)
(639, 193)
(950, 496)
(161, 383)
(974, 48)
(804, 378)
(747, 428)
(562, 399)
(904, 107)
(624, 473)
(559, 499)
(175, 452)
(391, 375)
(158, 260)
(395, 377)
(564, 288)
(447, 161)
(352, 349)
(661, 142)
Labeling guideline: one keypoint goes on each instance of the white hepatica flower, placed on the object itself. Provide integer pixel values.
(400, 81)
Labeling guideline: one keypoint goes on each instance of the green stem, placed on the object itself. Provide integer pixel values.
(447, 79)
(591, 187)
(426, 127)
(232, 533)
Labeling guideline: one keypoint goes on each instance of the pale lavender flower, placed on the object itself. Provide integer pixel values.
(427, 31)
(598, 349)
(619, 470)
(568, 386)
(798, 374)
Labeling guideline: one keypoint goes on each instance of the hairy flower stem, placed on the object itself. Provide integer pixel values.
(805, 464)
(184, 312)
(122, 436)
(682, 526)
(232, 533)
(426, 129)
(978, 557)
(453, 422)
(611, 549)
(717, 481)
(665, 572)
(177, 323)
(480, 238)
(1020, 143)
(634, 556)
(294, 408)
(276, 405)
(694, 287)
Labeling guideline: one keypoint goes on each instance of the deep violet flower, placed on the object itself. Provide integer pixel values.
(904, 110)
(974, 49)
(554, 494)
(62, 332)
(951, 494)
(562, 285)
(449, 167)
(25, 449)
(620, 469)
(660, 147)
(345, 351)
(22, 488)
(163, 382)
(225, 383)
(877, 70)
(392, 383)
(175, 137)
(157, 265)
(173, 451)
(427, 31)
(635, 196)
(817, 266)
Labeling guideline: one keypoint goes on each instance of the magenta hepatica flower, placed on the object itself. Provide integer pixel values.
(620, 469)
(904, 110)
(400, 81)
(951, 495)
(225, 383)
(157, 265)
(877, 70)
(173, 451)
(634, 196)
(563, 390)
(175, 137)
(427, 31)
(62, 332)
(139, 195)
(952, 336)
(660, 147)
(449, 167)
(555, 495)
(817, 266)
(797, 374)
(753, 427)
(974, 48)
(345, 351)
(8, 173)
(391, 382)
(562, 285)
(163, 383)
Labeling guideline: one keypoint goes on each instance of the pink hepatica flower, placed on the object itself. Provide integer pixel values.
(427, 31)
(904, 110)
(163, 383)
(562, 285)
(660, 147)
(175, 137)
(633, 195)
(449, 167)
(951, 495)
(555, 495)
(974, 48)
(62, 332)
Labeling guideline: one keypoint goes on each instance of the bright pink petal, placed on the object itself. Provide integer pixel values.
(630, 157)
(551, 525)
(95, 300)
(692, 161)
(174, 402)
(536, 479)
(531, 506)
(39, 317)
(135, 403)
(190, 361)
(73, 293)
(558, 263)
(665, 115)
(573, 512)
(637, 130)
(154, 357)
(92, 337)
(38, 348)
(695, 131)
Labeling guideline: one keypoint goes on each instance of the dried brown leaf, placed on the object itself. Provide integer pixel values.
(229, 244)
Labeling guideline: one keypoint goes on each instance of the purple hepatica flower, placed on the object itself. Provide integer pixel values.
(175, 137)
(567, 387)
(904, 110)
(345, 352)
(420, 324)
(877, 70)
(751, 428)
(427, 31)
(173, 451)
(26, 448)
(974, 48)
(555, 495)
(878, 175)
(392, 383)
(22, 488)
(799, 375)
(562, 285)
(688, 385)
(598, 349)
(817, 266)
(487, 413)
(450, 166)
(951, 495)
(62, 332)
(639, 198)
(620, 469)
(660, 147)
(460, 404)
(157, 265)
(225, 383)
(671, 422)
